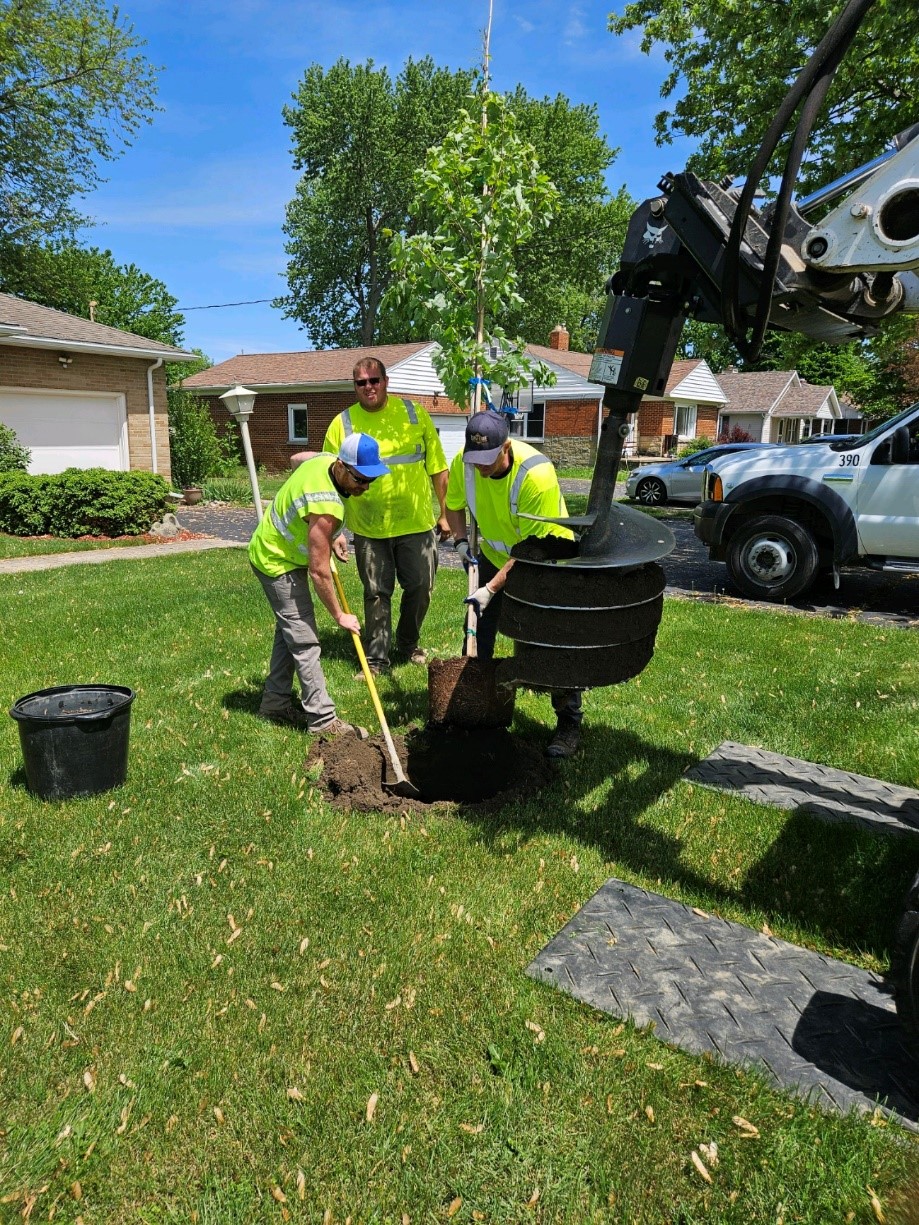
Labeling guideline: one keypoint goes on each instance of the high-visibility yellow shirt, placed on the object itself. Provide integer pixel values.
(529, 487)
(281, 541)
(399, 504)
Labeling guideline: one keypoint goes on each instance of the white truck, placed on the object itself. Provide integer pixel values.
(781, 515)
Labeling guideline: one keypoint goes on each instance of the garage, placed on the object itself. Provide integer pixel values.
(452, 431)
(68, 429)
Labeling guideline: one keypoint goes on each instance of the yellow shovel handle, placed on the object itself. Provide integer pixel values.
(368, 677)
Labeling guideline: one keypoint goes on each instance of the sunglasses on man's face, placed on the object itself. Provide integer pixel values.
(358, 477)
(368, 382)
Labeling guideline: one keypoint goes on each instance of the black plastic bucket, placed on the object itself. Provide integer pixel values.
(74, 739)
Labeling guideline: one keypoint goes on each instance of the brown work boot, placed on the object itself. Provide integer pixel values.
(291, 715)
(338, 727)
(566, 740)
(417, 656)
(374, 669)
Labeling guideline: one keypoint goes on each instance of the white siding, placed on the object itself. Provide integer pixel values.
(452, 430)
(699, 385)
(416, 376)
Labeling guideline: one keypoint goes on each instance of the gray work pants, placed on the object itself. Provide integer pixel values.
(413, 561)
(296, 648)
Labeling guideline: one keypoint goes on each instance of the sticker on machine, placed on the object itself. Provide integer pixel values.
(606, 366)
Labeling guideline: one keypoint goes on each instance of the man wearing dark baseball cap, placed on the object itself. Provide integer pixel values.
(500, 481)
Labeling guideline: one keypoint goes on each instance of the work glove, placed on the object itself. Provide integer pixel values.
(480, 599)
(466, 555)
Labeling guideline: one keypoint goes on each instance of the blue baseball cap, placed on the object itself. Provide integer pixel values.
(362, 453)
(486, 434)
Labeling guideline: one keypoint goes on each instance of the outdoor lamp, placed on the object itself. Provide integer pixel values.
(239, 402)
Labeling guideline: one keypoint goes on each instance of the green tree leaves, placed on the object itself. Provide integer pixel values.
(74, 89)
(731, 63)
(359, 138)
(483, 196)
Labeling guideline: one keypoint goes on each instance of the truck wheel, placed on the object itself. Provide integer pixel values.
(772, 558)
(652, 492)
(904, 962)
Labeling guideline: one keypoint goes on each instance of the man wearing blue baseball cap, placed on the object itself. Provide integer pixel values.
(501, 481)
(294, 542)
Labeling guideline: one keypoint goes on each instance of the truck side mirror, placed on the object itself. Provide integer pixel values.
(899, 445)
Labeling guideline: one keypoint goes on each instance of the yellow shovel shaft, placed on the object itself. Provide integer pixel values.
(368, 677)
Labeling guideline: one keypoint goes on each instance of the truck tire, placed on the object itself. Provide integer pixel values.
(772, 558)
(904, 962)
(651, 492)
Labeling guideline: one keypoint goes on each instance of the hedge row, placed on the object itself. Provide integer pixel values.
(81, 502)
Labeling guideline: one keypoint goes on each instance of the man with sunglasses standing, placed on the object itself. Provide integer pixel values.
(294, 543)
(395, 528)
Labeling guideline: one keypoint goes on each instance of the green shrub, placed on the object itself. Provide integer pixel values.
(13, 457)
(25, 504)
(197, 451)
(82, 502)
(694, 446)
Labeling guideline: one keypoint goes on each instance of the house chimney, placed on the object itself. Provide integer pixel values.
(558, 338)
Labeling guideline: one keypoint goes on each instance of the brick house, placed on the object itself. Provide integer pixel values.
(300, 393)
(82, 395)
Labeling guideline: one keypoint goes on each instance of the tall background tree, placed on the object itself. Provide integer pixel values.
(74, 88)
(359, 137)
(730, 66)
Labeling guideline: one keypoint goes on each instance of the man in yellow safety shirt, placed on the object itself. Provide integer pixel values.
(296, 538)
(498, 481)
(394, 525)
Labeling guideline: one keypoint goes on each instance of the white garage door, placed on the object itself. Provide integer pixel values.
(68, 429)
(452, 431)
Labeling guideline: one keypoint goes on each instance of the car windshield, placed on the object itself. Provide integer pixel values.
(851, 443)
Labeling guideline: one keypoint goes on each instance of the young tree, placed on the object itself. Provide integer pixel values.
(74, 89)
(86, 281)
(483, 196)
(732, 63)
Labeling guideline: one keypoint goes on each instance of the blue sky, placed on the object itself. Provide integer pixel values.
(199, 198)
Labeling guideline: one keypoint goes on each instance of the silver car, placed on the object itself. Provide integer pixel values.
(680, 480)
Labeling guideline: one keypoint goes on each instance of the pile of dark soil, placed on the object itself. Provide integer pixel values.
(485, 767)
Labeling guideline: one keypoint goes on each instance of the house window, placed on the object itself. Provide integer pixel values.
(297, 423)
(534, 423)
(685, 421)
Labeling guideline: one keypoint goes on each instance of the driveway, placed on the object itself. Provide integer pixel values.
(864, 595)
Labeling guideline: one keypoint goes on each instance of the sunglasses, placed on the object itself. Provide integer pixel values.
(359, 478)
(367, 382)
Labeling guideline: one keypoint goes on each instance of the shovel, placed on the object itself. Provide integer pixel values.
(401, 786)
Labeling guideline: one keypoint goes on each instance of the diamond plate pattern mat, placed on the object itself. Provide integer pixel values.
(789, 782)
(823, 1029)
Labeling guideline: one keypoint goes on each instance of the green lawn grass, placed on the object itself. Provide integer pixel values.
(226, 1002)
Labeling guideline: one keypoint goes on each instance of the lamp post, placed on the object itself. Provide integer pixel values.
(239, 401)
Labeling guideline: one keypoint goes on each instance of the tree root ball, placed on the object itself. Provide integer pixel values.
(485, 767)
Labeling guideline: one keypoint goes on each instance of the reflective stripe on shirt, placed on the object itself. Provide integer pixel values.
(414, 457)
(513, 500)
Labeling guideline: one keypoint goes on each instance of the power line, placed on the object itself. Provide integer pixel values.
(220, 305)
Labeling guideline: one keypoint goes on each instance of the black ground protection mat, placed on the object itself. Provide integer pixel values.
(789, 782)
(821, 1028)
